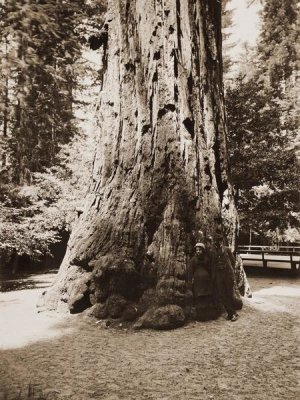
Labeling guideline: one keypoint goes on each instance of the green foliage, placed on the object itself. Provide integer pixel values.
(22, 230)
(277, 48)
(257, 132)
(265, 169)
(32, 216)
(264, 165)
(263, 119)
(39, 46)
(227, 23)
(44, 169)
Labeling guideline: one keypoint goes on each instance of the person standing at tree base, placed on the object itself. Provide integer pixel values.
(200, 277)
(223, 276)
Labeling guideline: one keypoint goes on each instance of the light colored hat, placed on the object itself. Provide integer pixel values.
(200, 245)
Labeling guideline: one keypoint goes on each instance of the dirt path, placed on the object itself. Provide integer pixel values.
(256, 357)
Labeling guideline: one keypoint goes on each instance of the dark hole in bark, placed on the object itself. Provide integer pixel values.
(174, 54)
(167, 12)
(179, 33)
(155, 77)
(96, 41)
(80, 305)
(151, 226)
(145, 128)
(151, 108)
(176, 93)
(130, 67)
(189, 125)
(136, 113)
(207, 171)
(127, 9)
(167, 107)
(222, 186)
(171, 29)
(117, 279)
(156, 55)
(190, 83)
(197, 64)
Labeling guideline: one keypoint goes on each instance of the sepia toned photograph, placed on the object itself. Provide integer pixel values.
(149, 199)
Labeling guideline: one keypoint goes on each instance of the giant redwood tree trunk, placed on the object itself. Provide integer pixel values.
(160, 172)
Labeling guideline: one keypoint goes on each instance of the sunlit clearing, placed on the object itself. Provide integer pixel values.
(271, 299)
(279, 291)
(21, 324)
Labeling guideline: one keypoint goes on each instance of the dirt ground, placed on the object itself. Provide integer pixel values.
(256, 357)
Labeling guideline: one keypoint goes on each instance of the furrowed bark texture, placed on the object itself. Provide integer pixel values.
(160, 173)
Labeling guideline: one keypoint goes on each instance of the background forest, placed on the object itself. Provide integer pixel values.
(50, 77)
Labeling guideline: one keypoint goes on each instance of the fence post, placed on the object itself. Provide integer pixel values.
(293, 263)
(265, 262)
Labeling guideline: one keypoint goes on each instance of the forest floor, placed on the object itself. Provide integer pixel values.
(49, 356)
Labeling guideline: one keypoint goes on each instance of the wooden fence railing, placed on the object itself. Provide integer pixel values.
(284, 257)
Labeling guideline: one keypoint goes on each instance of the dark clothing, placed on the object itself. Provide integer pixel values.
(205, 308)
(225, 287)
(222, 266)
(200, 275)
(224, 259)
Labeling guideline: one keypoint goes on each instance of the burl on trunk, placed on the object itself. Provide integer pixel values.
(160, 173)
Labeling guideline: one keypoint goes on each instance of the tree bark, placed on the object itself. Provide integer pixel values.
(160, 173)
(6, 97)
